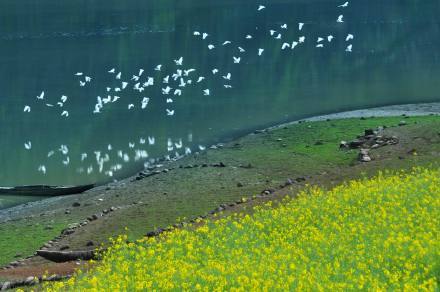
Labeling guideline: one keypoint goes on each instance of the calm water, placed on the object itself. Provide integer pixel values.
(394, 59)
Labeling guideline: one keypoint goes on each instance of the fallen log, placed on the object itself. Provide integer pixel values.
(66, 256)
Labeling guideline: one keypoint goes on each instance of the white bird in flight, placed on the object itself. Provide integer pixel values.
(330, 38)
(205, 35)
(284, 26)
(158, 68)
(349, 48)
(145, 102)
(186, 72)
(130, 106)
(41, 96)
(65, 114)
(170, 112)
(27, 109)
(66, 161)
(300, 25)
(179, 61)
(150, 82)
(79, 74)
(42, 169)
(28, 145)
(340, 19)
(206, 92)
(261, 7)
(260, 52)
(166, 90)
(211, 46)
(226, 43)
(227, 76)
(293, 45)
(285, 46)
(236, 60)
(214, 71)
(344, 5)
(112, 70)
(349, 37)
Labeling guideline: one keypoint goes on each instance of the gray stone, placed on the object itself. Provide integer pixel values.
(76, 204)
(364, 157)
(402, 123)
(6, 286)
(364, 152)
(30, 281)
(68, 231)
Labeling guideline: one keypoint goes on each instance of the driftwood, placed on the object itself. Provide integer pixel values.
(66, 256)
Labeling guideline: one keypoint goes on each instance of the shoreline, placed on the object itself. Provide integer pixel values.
(266, 165)
(417, 109)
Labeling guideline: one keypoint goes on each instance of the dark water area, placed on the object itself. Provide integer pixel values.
(394, 59)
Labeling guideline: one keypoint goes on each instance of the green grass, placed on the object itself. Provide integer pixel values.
(24, 239)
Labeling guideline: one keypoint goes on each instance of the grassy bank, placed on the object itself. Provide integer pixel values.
(374, 234)
(252, 164)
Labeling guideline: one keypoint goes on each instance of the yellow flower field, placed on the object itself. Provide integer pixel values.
(377, 234)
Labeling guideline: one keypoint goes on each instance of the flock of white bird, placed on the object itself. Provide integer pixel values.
(172, 86)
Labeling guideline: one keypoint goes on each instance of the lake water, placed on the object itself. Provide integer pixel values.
(43, 44)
